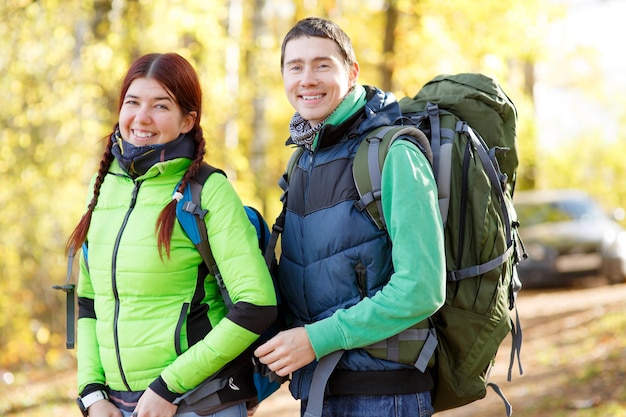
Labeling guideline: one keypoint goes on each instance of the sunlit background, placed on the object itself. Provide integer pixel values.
(61, 61)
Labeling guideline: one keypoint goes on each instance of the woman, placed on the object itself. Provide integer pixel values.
(152, 325)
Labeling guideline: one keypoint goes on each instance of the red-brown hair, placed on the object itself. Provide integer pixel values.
(180, 79)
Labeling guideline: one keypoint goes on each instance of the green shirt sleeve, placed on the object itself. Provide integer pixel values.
(416, 289)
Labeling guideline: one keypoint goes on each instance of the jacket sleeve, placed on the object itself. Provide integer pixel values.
(90, 371)
(235, 247)
(416, 289)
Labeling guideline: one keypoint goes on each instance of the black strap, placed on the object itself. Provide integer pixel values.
(277, 229)
(70, 301)
(279, 223)
(463, 211)
(435, 136)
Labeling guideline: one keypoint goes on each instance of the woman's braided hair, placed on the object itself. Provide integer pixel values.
(180, 79)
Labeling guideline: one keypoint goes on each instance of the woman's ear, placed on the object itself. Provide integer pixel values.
(188, 121)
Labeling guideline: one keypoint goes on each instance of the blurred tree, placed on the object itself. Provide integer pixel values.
(63, 60)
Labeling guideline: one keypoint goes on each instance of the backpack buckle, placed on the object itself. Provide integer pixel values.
(191, 207)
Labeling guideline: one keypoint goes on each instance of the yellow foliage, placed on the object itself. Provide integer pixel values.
(62, 62)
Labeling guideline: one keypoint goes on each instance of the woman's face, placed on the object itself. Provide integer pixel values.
(150, 115)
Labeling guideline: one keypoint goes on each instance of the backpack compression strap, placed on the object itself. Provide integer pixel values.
(392, 344)
(498, 182)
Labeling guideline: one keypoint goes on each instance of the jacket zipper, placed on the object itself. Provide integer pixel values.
(133, 200)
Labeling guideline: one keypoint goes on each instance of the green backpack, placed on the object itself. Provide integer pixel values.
(466, 126)
(471, 126)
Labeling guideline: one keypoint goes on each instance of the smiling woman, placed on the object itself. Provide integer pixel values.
(152, 324)
(150, 115)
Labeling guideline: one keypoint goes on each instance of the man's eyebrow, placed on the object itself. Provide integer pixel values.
(316, 59)
(294, 61)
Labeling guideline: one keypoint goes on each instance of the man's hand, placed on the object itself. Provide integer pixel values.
(286, 352)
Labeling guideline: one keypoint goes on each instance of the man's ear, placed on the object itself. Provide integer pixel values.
(354, 74)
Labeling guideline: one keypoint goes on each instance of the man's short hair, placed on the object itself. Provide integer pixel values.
(321, 28)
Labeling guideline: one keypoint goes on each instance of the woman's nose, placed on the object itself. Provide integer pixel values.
(143, 114)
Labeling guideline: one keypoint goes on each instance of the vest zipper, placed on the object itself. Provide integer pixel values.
(311, 159)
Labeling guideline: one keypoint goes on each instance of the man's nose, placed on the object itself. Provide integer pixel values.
(309, 77)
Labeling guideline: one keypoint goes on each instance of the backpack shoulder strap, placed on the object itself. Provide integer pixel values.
(279, 223)
(293, 160)
(324, 368)
(191, 215)
(369, 160)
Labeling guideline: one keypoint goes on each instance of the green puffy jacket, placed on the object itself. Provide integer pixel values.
(141, 316)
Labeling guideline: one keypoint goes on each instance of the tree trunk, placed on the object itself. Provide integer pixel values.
(387, 64)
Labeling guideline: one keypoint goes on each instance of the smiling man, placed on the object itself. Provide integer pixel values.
(345, 287)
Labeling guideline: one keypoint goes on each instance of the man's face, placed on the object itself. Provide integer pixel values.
(315, 77)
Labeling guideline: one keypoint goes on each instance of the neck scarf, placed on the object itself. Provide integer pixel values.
(137, 160)
(303, 134)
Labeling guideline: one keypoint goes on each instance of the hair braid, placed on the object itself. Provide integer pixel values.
(79, 235)
(165, 223)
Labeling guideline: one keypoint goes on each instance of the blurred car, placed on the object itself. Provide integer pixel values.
(567, 234)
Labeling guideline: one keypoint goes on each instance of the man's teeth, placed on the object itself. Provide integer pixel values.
(312, 97)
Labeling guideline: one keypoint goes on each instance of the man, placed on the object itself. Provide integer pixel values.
(348, 284)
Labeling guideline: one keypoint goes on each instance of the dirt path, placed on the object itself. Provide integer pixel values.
(545, 315)
(551, 321)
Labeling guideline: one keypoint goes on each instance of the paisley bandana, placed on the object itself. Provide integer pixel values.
(137, 160)
(301, 131)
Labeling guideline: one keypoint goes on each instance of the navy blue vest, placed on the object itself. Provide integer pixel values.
(332, 254)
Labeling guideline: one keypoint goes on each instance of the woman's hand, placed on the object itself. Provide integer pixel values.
(153, 405)
(104, 408)
(286, 352)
